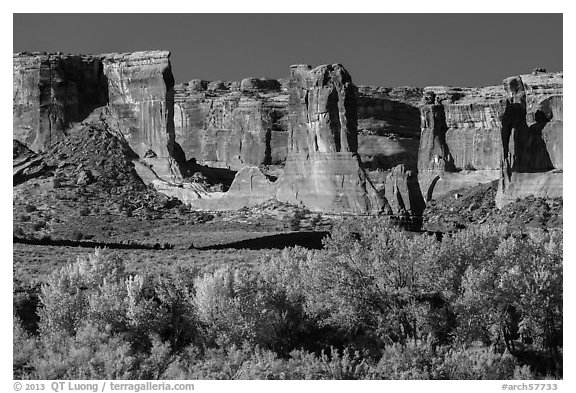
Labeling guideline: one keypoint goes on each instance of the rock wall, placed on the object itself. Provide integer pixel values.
(532, 141)
(51, 91)
(322, 169)
(141, 97)
(388, 126)
(232, 124)
(460, 143)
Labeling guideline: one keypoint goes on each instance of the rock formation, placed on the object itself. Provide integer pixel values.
(229, 124)
(388, 126)
(51, 92)
(335, 147)
(141, 97)
(322, 169)
(460, 142)
(532, 126)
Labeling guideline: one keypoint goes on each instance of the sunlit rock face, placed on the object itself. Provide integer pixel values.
(141, 97)
(532, 141)
(322, 169)
(231, 124)
(141, 94)
(460, 142)
(51, 92)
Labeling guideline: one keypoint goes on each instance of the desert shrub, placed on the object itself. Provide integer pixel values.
(380, 281)
(458, 252)
(157, 362)
(334, 365)
(89, 354)
(84, 211)
(481, 363)
(18, 231)
(96, 290)
(76, 235)
(38, 225)
(516, 295)
(30, 208)
(414, 360)
(23, 217)
(176, 295)
(233, 306)
(23, 349)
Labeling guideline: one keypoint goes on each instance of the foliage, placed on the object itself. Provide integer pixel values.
(375, 303)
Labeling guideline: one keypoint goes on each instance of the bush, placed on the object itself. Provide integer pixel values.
(76, 235)
(376, 302)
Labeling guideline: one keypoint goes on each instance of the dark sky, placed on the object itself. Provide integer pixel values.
(377, 49)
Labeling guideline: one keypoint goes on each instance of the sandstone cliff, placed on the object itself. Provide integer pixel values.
(460, 142)
(227, 124)
(50, 92)
(532, 126)
(388, 126)
(322, 169)
(472, 136)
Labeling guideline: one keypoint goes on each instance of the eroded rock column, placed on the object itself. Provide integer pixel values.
(322, 169)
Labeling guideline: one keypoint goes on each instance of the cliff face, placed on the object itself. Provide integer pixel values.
(232, 124)
(51, 92)
(477, 135)
(388, 126)
(322, 169)
(532, 126)
(141, 96)
(460, 140)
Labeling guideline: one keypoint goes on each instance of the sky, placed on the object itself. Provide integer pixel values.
(376, 49)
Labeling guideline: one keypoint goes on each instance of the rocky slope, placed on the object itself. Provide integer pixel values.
(476, 205)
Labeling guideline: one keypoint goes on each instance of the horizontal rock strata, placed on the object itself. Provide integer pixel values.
(322, 169)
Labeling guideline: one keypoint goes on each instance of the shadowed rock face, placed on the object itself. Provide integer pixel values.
(477, 135)
(532, 141)
(52, 91)
(322, 169)
(135, 90)
(388, 126)
(232, 124)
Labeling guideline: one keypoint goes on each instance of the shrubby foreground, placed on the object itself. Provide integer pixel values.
(375, 303)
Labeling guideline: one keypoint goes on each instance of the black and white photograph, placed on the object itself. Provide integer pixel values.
(287, 196)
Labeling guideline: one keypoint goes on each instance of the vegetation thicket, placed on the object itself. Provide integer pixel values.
(375, 303)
